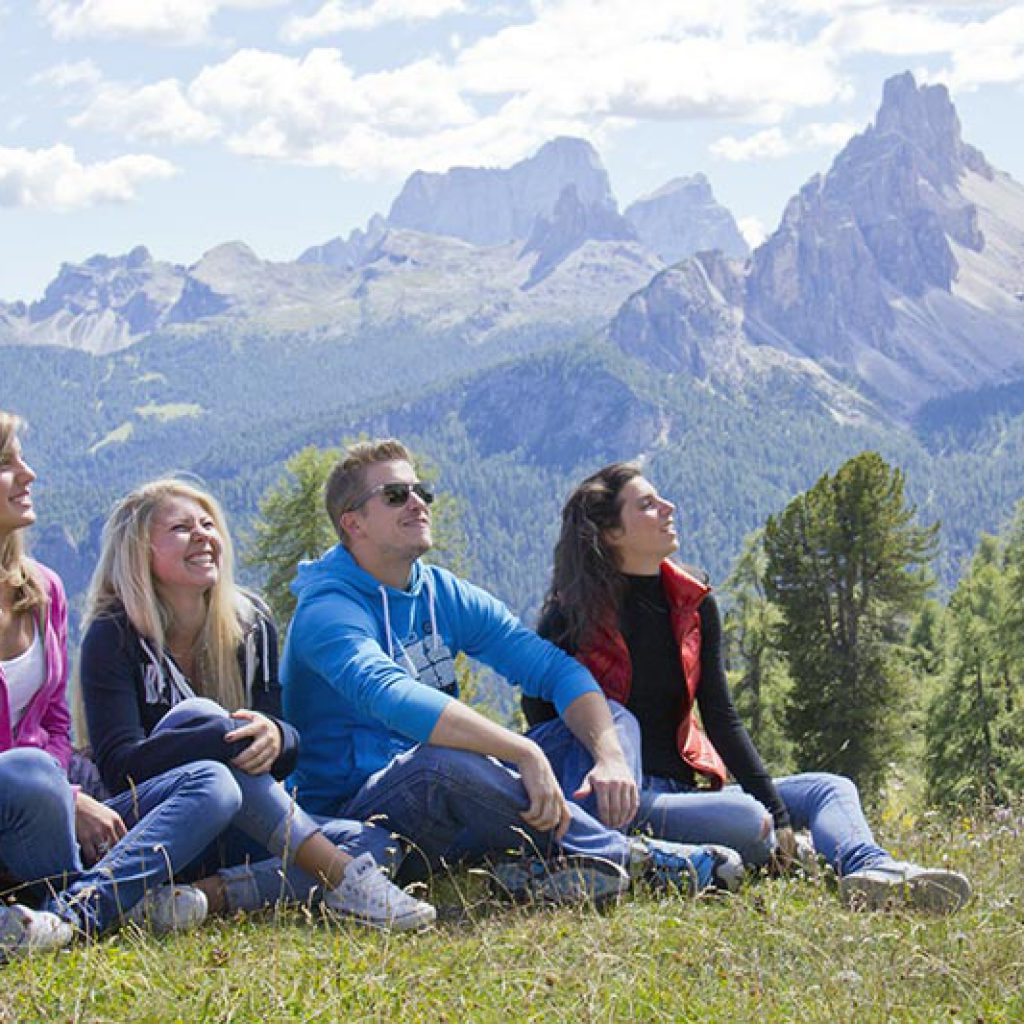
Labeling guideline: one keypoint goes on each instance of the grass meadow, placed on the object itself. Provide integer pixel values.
(782, 949)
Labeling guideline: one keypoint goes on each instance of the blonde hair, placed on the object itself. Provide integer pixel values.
(124, 576)
(15, 567)
(347, 479)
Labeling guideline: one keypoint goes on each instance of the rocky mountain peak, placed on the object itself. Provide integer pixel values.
(867, 255)
(490, 206)
(572, 222)
(925, 117)
(682, 218)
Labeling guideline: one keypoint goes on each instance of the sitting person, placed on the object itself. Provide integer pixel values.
(91, 865)
(170, 645)
(369, 680)
(650, 632)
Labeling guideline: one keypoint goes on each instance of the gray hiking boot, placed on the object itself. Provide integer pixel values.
(572, 878)
(893, 884)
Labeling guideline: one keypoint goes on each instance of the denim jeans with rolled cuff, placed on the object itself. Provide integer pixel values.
(827, 804)
(254, 855)
(170, 819)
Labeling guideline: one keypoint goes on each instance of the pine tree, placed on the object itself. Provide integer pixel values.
(975, 727)
(846, 565)
(292, 526)
(757, 671)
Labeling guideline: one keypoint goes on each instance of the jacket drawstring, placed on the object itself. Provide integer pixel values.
(392, 640)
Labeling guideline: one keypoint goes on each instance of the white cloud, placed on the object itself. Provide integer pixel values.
(658, 59)
(769, 144)
(157, 112)
(753, 230)
(315, 110)
(170, 21)
(69, 75)
(983, 42)
(345, 15)
(55, 179)
(773, 143)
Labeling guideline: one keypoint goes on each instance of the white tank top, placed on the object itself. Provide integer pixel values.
(25, 675)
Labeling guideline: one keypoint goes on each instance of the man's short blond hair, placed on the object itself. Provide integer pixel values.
(347, 480)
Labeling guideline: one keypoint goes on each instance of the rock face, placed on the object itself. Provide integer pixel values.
(669, 323)
(683, 218)
(104, 303)
(874, 265)
(489, 206)
(572, 222)
(348, 253)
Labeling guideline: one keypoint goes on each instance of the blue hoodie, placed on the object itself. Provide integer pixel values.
(368, 669)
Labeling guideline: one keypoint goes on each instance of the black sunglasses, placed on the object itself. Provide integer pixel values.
(395, 495)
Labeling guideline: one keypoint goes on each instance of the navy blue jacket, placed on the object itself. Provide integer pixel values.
(127, 689)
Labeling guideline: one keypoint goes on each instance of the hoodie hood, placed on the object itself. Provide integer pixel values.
(337, 571)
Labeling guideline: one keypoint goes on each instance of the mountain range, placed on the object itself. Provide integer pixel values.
(520, 330)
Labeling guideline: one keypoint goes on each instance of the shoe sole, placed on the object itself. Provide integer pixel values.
(418, 919)
(575, 878)
(934, 892)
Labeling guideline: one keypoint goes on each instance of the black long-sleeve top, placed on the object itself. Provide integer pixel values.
(658, 688)
(127, 688)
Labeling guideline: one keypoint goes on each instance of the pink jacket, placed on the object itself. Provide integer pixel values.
(46, 723)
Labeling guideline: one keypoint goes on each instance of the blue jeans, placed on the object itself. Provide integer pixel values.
(828, 805)
(170, 818)
(254, 854)
(455, 805)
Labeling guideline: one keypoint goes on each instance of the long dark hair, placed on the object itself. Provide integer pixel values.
(586, 583)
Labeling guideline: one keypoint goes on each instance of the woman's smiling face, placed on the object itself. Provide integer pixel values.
(185, 546)
(646, 534)
(16, 478)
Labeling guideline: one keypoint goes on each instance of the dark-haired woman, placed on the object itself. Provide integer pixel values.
(650, 632)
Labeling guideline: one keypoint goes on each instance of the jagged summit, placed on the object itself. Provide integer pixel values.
(572, 222)
(488, 206)
(876, 268)
(682, 218)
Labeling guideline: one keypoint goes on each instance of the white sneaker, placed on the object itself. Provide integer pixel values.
(366, 894)
(898, 883)
(170, 908)
(24, 931)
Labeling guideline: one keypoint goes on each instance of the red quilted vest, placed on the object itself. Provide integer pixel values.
(609, 663)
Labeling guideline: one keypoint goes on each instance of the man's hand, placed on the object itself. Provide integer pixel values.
(548, 809)
(265, 747)
(611, 781)
(97, 828)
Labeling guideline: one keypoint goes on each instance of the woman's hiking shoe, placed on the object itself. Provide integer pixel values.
(24, 931)
(685, 868)
(893, 884)
(572, 878)
(169, 908)
(368, 896)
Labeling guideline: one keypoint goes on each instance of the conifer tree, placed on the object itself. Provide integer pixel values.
(975, 726)
(847, 567)
(757, 671)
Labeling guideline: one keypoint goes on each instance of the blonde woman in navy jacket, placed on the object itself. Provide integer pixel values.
(88, 864)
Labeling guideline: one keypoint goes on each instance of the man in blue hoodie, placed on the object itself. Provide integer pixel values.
(369, 681)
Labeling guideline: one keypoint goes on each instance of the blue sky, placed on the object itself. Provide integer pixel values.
(181, 124)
